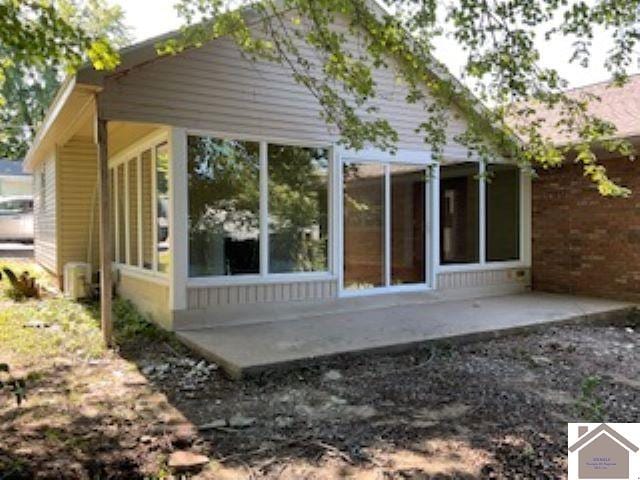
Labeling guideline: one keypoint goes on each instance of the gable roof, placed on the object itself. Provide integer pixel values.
(11, 167)
(596, 432)
(619, 105)
(82, 87)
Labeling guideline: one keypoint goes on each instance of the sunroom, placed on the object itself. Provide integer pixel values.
(243, 229)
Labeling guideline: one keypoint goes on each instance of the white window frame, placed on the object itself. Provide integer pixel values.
(386, 159)
(264, 277)
(133, 153)
(524, 228)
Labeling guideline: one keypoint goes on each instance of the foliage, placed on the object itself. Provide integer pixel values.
(17, 386)
(589, 405)
(131, 325)
(41, 41)
(21, 287)
(503, 67)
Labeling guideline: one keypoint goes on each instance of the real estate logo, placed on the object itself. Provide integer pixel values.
(604, 451)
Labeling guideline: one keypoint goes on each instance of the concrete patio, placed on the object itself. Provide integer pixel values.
(247, 349)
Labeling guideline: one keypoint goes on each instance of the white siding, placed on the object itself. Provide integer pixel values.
(45, 213)
(483, 282)
(199, 298)
(214, 88)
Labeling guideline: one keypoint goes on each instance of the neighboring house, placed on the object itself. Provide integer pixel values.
(584, 243)
(13, 181)
(602, 453)
(231, 195)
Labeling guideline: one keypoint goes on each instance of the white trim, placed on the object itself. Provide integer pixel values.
(524, 260)
(421, 157)
(116, 197)
(430, 272)
(387, 224)
(178, 219)
(127, 216)
(257, 138)
(232, 280)
(139, 210)
(482, 212)
(154, 207)
(136, 148)
(263, 209)
(435, 224)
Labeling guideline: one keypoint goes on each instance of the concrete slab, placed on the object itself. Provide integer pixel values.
(249, 349)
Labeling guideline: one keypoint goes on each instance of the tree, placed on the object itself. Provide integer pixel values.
(40, 42)
(503, 65)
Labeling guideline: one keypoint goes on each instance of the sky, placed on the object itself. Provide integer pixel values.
(149, 18)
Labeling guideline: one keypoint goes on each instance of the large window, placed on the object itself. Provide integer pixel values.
(464, 213)
(139, 187)
(249, 199)
(224, 207)
(459, 213)
(298, 209)
(503, 213)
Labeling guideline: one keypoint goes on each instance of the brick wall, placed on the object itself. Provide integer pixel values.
(584, 243)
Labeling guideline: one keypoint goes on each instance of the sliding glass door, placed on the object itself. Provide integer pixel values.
(384, 225)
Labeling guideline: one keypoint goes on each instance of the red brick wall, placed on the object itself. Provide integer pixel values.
(584, 243)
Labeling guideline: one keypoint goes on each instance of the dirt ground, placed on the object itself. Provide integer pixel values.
(495, 409)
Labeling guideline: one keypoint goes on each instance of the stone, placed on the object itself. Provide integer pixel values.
(333, 375)
(146, 439)
(238, 421)
(185, 434)
(541, 360)
(184, 460)
(283, 422)
(219, 423)
(629, 330)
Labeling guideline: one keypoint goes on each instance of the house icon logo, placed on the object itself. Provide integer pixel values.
(602, 451)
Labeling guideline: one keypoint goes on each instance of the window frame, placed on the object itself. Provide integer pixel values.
(483, 264)
(264, 277)
(133, 153)
(432, 192)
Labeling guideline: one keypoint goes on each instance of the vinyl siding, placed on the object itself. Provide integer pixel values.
(199, 298)
(78, 200)
(45, 209)
(214, 88)
(149, 296)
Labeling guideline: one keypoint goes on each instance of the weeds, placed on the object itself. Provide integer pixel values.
(17, 386)
(589, 405)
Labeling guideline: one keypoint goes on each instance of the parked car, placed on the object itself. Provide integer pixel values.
(16, 218)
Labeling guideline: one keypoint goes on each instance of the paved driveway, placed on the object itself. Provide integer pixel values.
(16, 250)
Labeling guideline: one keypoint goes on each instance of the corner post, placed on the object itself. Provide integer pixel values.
(179, 219)
(105, 227)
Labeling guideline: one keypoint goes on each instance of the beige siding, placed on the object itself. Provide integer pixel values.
(214, 88)
(150, 297)
(466, 284)
(45, 208)
(211, 297)
(78, 222)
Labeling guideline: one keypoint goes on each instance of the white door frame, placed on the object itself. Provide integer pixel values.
(386, 159)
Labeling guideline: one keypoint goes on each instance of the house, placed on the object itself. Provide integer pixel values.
(584, 243)
(230, 195)
(13, 181)
(602, 453)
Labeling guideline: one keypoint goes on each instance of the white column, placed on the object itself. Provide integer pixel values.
(435, 224)
(178, 219)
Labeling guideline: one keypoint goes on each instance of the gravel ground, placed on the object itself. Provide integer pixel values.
(491, 409)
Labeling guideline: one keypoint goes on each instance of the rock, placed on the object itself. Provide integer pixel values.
(146, 439)
(184, 434)
(629, 330)
(283, 422)
(541, 360)
(148, 370)
(238, 421)
(219, 423)
(183, 460)
(333, 375)
(362, 411)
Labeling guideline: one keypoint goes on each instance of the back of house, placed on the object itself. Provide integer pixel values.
(230, 194)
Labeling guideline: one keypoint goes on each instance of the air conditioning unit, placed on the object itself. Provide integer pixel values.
(77, 279)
